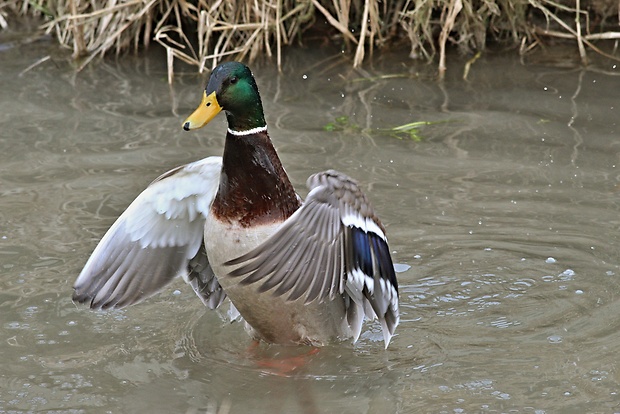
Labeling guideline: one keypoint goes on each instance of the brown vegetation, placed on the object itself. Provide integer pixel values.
(203, 32)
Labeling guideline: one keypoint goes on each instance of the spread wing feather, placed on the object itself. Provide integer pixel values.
(333, 245)
(154, 240)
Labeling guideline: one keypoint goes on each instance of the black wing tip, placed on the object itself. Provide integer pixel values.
(80, 296)
(84, 298)
(389, 322)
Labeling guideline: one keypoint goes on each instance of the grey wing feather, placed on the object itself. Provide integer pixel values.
(290, 252)
(202, 279)
(153, 241)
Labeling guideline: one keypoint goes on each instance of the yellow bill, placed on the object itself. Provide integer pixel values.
(206, 111)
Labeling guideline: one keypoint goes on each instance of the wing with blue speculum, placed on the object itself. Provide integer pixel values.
(333, 245)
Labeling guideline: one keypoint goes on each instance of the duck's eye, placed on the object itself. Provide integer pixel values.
(233, 80)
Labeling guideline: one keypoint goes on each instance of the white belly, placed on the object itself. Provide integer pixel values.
(272, 319)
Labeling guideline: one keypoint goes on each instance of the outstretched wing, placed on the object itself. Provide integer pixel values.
(154, 240)
(334, 244)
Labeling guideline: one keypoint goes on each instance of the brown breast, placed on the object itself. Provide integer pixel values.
(254, 188)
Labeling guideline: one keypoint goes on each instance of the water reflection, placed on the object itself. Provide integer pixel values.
(507, 214)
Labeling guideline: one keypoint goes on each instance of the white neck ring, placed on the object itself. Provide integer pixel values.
(248, 132)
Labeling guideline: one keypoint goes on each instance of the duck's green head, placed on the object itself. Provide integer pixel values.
(232, 88)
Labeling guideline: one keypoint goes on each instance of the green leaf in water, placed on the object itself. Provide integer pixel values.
(410, 130)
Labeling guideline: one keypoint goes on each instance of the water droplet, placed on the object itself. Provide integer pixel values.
(554, 339)
(401, 267)
(550, 260)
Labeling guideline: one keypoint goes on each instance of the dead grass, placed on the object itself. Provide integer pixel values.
(204, 32)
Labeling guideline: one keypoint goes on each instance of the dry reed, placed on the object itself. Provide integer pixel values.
(204, 32)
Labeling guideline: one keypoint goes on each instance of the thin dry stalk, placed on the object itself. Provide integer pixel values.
(334, 22)
(572, 33)
(234, 27)
(449, 18)
(417, 23)
(582, 49)
(359, 53)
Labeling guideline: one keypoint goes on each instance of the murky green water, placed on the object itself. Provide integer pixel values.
(508, 214)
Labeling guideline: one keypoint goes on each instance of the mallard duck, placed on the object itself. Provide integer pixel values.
(297, 272)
